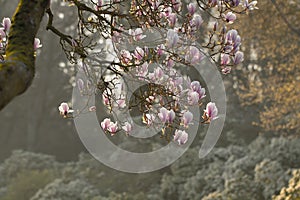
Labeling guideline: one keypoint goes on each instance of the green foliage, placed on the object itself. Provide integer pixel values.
(27, 183)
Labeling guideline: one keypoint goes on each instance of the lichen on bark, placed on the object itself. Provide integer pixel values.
(17, 71)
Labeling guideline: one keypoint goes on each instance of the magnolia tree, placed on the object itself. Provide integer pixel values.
(121, 42)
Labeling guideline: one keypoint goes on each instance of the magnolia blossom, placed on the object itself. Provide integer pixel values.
(197, 21)
(105, 123)
(108, 125)
(172, 38)
(170, 63)
(125, 57)
(2, 33)
(172, 19)
(193, 55)
(186, 118)
(113, 127)
(166, 12)
(160, 49)
(100, 3)
(211, 112)
(121, 103)
(6, 23)
(181, 137)
(225, 59)
(139, 53)
(177, 5)
(193, 98)
(142, 70)
(238, 58)
(230, 17)
(137, 34)
(195, 86)
(37, 44)
(250, 6)
(157, 75)
(148, 119)
(64, 109)
(191, 8)
(166, 116)
(231, 36)
(127, 127)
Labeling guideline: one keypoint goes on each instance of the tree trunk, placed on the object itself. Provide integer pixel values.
(17, 71)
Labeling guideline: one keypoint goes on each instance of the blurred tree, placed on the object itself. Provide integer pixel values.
(271, 77)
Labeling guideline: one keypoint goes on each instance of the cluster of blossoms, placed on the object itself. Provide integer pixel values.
(169, 96)
(4, 30)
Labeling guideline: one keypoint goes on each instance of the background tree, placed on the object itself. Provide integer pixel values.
(270, 79)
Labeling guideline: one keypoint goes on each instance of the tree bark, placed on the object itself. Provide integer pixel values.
(17, 71)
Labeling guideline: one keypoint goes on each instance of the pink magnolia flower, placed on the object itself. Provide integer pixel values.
(160, 49)
(231, 36)
(2, 33)
(64, 109)
(157, 75)
(125, 57)
(139, 53)
(37, 44)
(112, 128)
(181, 137)
(193, 55)
(105, 124)
(195, 86)
(127, 127)
(216, 24)
(6, 24)
(211, 112)
(177, 5)
(250, 6)
(167, 12)
(197, 21)
(100, 3)
(230, 17)
(193, 98)
(238, 58)
(170, 63)
(187, 118)
(108, 125)
(148, 119)
(225, 59)
(191, 8)
(137, 34)
(142, 70)
(166, 116)
(172, 38)
(121, 103)
(172, 19)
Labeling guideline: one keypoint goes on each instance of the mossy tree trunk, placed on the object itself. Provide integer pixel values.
(17, 71)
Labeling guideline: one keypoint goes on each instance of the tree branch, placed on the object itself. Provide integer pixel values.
(17, 71)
